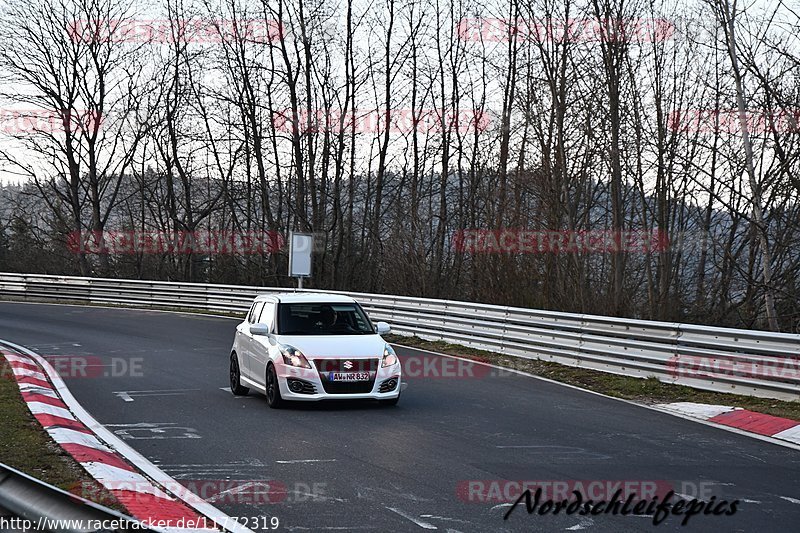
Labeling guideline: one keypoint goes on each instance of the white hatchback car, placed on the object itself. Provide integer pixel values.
(312, 346)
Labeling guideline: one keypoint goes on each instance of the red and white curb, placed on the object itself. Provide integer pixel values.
(742, 419)
(149, 494)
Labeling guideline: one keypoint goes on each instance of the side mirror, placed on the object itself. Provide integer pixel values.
(259, 329)
(381, 328)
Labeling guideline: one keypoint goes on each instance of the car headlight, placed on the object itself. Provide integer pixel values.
(389, 357)
(294, 357)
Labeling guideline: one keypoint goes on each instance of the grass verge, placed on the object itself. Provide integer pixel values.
(649, 391)
(26, 446)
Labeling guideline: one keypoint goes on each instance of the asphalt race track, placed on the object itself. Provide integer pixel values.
(160, 381)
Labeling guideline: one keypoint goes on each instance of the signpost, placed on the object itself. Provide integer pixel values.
(300, 246)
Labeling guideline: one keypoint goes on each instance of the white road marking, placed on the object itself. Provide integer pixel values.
(751, 501)
(157, 430)
(127, 395)
(434, 517)
(140, 425)
(146, 393)
(501, 505)
(583, 523)
(248, 397)
(318, 497)
(420, 523)
(237, 490)
(157, 392)
(791, 500)
(232, 470)
(522, 446)
(255, 462)
(556, 451)
(753, 457)
(295, 461)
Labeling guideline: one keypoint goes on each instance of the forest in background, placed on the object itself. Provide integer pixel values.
(388, 127)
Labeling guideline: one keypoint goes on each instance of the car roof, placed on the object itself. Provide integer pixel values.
(306, 297)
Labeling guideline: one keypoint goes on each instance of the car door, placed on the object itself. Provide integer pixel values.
(261, 346)
(247, 340)
(241, 339)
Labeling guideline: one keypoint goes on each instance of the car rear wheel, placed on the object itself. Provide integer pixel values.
(273, 389)
(236, 387)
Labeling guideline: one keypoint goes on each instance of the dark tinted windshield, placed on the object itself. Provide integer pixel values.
(322, 319)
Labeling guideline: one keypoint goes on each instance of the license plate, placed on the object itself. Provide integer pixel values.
(348, 376)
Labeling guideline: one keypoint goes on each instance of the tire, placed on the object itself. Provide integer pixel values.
(391, 402)
(274, 399)
(236, 387)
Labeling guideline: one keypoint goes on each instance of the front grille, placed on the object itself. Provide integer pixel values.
(347, 387)
(388, 385)
(301, 386)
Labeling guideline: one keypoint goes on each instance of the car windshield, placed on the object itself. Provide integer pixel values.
(323, 319)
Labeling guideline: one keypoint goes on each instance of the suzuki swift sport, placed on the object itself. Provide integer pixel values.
(307, 346)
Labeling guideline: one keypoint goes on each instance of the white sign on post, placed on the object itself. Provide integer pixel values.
(300, 246)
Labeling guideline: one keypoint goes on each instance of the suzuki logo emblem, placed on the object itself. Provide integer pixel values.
(348, 365)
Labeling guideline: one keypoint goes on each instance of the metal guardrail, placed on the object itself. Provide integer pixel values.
(26, 503)
(749, 362)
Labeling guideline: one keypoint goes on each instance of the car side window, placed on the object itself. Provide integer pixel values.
(255, 312)
(268, 315)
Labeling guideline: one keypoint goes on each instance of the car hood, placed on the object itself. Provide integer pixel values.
(333, 346)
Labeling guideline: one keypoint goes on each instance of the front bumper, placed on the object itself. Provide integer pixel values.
(326, 390)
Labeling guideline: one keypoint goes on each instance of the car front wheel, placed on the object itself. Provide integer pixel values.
(273, 389)
(236, 387)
